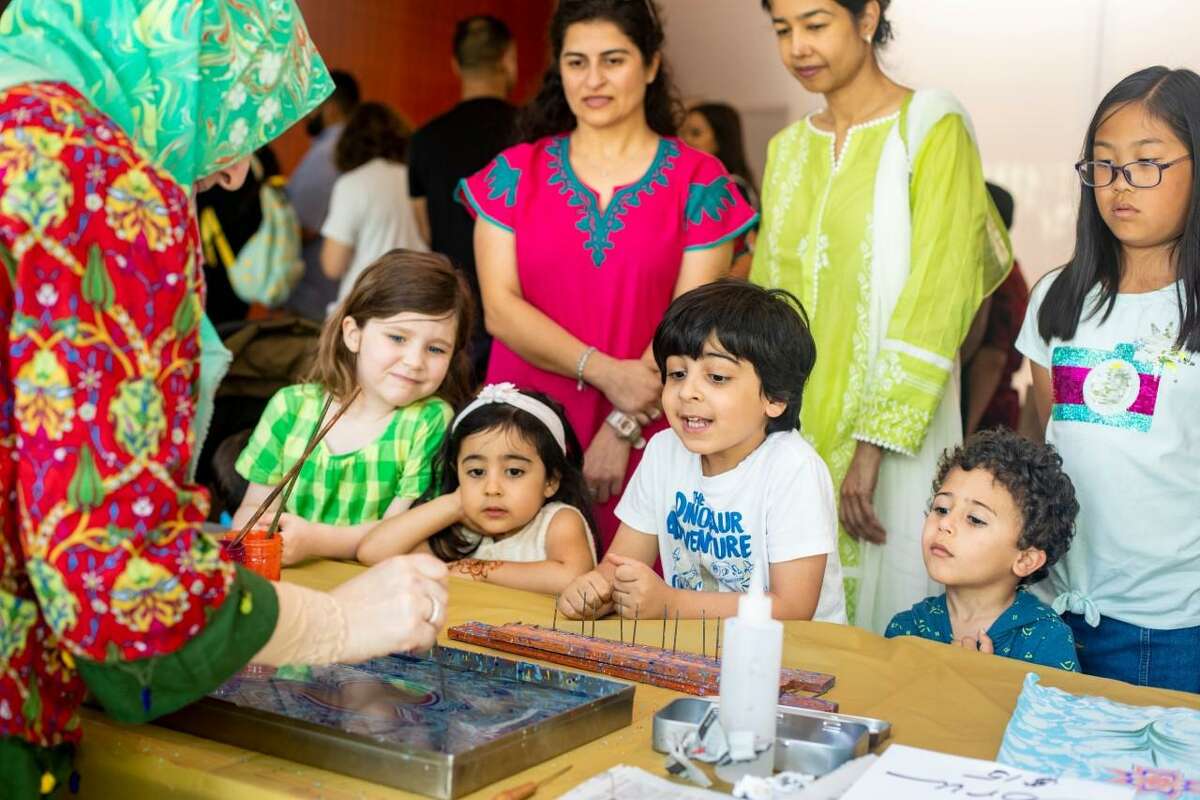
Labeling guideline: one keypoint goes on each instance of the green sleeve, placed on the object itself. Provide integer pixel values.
(137, 691)
(424, 440)
(29, 771)
(262, 459)
(760, 269)
(960, 252)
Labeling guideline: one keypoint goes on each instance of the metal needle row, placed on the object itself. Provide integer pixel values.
(663, 643)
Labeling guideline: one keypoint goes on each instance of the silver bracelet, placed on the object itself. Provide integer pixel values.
(583, 359)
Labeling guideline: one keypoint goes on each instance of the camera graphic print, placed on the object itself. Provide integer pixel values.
(1117, 388)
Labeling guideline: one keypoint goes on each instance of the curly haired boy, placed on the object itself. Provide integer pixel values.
(1002, 513)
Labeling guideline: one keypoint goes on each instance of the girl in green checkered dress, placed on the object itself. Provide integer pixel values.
(400, 338)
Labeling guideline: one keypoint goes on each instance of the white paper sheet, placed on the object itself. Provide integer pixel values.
(908, 773)
(627, 783)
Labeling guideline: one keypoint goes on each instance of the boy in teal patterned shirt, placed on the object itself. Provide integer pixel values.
(1003, 512)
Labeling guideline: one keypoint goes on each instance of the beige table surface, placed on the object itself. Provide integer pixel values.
(935, 696)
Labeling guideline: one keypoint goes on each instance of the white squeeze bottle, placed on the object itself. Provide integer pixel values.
(752, 655)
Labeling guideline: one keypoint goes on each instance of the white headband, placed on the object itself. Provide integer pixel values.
(507, 394)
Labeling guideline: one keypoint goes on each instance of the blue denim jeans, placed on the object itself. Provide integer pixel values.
(1168, 659)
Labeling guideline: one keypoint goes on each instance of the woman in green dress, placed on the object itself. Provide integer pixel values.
(876, 215)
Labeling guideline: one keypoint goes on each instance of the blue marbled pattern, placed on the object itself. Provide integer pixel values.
(1056, 733)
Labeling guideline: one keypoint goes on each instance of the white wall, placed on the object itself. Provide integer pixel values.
(725, 50)
(1029, 71)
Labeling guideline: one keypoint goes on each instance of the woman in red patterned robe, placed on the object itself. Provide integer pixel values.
(112, 112)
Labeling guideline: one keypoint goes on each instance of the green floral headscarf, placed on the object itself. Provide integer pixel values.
(198, 84)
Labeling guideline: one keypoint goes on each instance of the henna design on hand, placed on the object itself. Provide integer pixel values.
(474, 568)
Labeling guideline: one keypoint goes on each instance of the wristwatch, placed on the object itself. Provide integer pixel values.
(626, 428)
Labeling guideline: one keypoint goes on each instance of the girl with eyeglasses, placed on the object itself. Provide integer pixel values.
(1114, 338)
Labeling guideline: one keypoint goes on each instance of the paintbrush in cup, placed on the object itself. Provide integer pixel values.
(289, 479)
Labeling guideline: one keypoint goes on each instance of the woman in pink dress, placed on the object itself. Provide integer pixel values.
(588, 229)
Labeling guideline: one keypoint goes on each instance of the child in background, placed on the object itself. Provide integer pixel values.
(1114, 341)
(1003, 512)
(400, 337)
(514, 507)
(731, 493)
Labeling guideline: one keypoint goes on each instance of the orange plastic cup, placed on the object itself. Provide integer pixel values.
(259, 554)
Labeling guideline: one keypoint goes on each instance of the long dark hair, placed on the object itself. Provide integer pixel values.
(726, 125)
(448, 544)
(1172, 96)
(548, 113)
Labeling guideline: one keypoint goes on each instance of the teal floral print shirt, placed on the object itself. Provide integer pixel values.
(1028, 630)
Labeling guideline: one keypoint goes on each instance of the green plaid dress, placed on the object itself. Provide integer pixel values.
(344, 488)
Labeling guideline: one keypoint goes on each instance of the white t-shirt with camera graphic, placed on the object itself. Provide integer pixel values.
(1126, 420)
(778, 503)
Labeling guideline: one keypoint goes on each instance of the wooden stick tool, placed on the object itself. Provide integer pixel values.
(526, 790)
(290, 477)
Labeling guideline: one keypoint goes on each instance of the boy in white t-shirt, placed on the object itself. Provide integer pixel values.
(731, 483)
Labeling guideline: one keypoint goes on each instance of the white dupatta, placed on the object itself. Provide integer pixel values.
(893, 576)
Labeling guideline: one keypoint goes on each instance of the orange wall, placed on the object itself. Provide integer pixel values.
(399, 50)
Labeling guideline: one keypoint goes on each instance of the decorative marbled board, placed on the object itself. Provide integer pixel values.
(409, 700)
(442, 724)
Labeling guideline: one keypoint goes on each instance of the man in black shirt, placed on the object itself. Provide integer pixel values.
(461, 142)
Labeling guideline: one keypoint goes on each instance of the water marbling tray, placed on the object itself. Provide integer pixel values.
(442, 725)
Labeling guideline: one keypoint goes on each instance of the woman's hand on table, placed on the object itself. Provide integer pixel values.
(588, 596)
(605, 463)
(398, 605)
(631, 385)
(856, 508)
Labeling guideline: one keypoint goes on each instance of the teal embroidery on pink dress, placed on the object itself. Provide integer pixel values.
(600, 226)
(711, 199)
(502, 180)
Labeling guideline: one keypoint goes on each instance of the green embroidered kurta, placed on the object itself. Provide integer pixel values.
(816, 240)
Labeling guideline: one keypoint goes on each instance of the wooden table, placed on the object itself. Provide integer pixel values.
(936, 696)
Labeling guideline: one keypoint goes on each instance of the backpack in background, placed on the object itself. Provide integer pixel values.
(270, 264)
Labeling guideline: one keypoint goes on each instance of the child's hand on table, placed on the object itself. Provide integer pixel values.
(474, 568)
(983, 644)
(588, 596)
(297, 533)
(637, 590)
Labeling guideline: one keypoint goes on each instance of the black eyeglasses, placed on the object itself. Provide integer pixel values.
(1139, 174)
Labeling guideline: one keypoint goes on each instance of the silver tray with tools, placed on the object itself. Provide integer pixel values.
(441, 725)
(807, 741)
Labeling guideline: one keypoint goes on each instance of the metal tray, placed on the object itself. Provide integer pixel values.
(879, 729)
(812, 742)
(443, 725)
